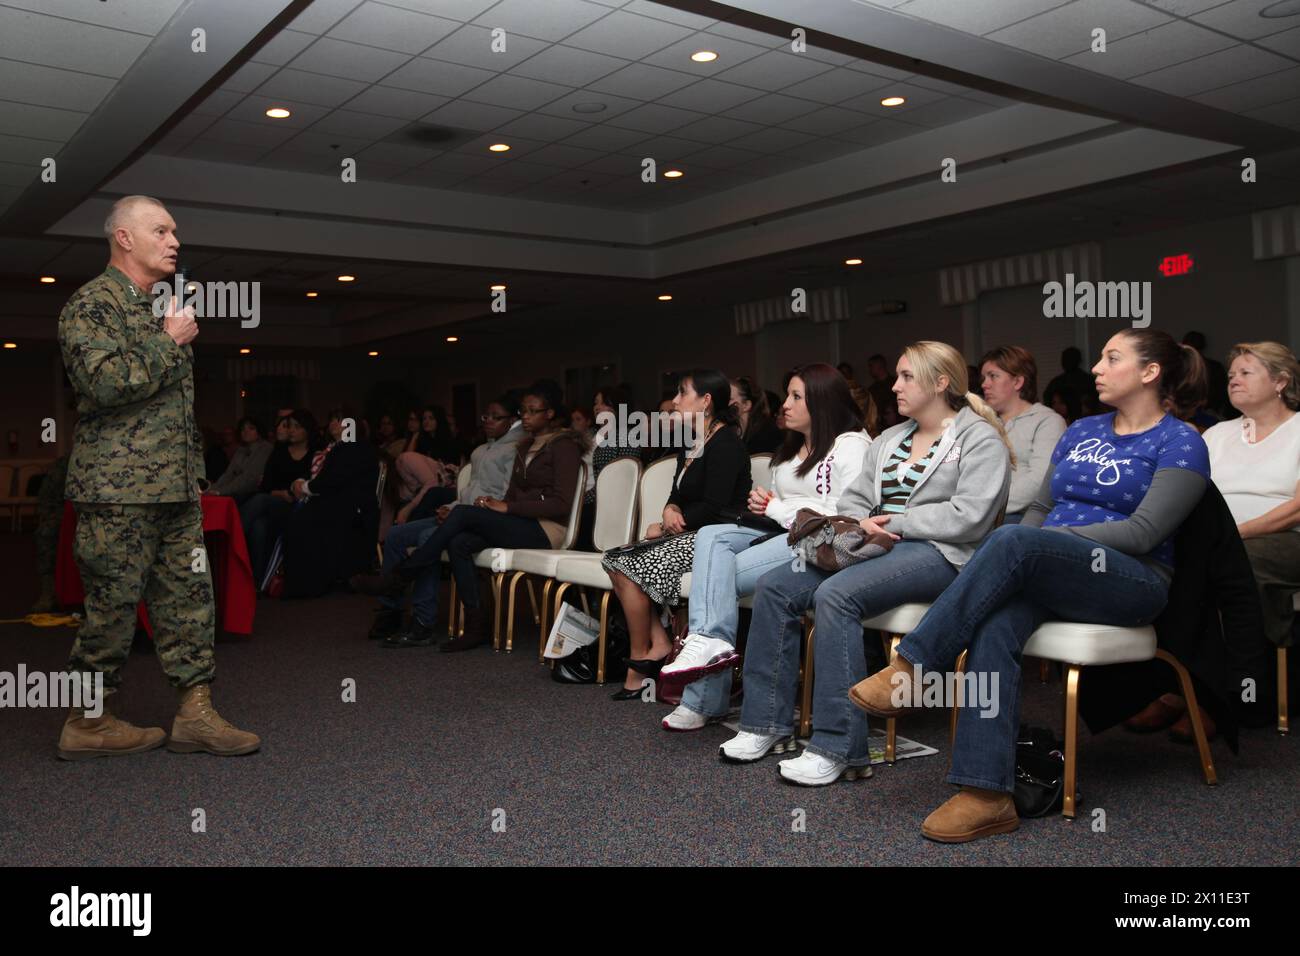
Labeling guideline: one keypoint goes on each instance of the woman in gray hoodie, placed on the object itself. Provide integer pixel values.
(936, 484)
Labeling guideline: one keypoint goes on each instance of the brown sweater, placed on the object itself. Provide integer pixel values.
(543, 489)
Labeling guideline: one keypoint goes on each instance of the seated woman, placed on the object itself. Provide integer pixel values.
(1255, 462)
(711, 479)
(822, 456)
(936, 484)
(1095, 547)
(1009, 378)
(533, 514)
(331, 534)
(265, 515)
(430, 457)
(243, 475)
(610, 403)
(754, 417)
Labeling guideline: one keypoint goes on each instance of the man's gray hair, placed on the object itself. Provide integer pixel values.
(121, 210)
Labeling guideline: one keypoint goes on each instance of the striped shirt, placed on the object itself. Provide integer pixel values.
(898, 479)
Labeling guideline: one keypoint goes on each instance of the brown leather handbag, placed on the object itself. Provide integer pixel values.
(834, 542)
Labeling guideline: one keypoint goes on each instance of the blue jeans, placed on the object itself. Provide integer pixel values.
(264, 518)
(726, 569)
(912, 571)
(412, 534)
(1019, 578)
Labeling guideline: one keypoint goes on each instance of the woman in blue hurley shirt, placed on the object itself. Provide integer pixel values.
(1096, 546)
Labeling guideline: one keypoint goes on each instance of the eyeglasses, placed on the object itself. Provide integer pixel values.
(493, 418)
(532, 411)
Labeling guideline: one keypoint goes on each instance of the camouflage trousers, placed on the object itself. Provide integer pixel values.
(129, 552)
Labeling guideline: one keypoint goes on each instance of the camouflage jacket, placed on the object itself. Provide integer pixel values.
(137, 441)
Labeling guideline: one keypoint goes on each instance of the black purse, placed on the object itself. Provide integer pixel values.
(747, 519)
(580, 666)
(1040, 773)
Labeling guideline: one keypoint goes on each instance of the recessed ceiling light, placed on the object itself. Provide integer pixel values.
(589, 107)
(674, 174)
(373, 354)
(453, 338)
(245, 351)
(1287, 8)
(704, 56)
(853, 262)
(11, 345)
(278, 112)
(47, 279)
(498, 147)
(312, 295)
(893, 101)
(347, 278)
(665, 298)
(498, 288)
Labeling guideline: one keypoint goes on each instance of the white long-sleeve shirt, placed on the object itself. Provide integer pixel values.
(821, 487)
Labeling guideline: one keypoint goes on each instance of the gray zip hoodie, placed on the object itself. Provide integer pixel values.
(958, 500)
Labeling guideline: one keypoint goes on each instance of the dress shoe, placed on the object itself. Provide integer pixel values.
(626, 694)
(415, 634)
(971, 814)
(105, 736)
(198, 728)
(1157, 715)
(388, 621)
(478, 631)
(1181, 731)
(647, 668)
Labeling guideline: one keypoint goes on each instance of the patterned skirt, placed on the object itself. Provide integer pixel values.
(656, 567)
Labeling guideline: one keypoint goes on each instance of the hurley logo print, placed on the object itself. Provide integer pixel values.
(1097, 452)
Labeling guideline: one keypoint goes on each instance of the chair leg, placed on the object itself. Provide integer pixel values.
(532, 596)
(541, 643)
(543, 625)
(960, 668)
(1071, 736)
(586, 605)
(510, 606)
(805, 697)
(1044, 671)
(451, 603)
(891, 725)
(1283, 720)
(497, 579)
(604, 631)
(1193, 711)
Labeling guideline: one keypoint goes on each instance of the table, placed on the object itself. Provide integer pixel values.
(232, 571)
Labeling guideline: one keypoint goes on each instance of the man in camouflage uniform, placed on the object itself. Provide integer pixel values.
(133, 477)
(49, 518)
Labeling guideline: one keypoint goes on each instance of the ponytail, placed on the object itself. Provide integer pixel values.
(1183, 376)
(986, 412)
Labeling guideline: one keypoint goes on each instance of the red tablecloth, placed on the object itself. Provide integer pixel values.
(232, 572)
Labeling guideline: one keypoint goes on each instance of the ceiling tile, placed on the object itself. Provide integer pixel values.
(141, 16)
(772, 140)
(836, 86)
(519, 147)
(568, 66)
(662, 11)
(564, 106)
(775, 70)
(772, 109)
(39, 122)
(628, 36)
(283, 47)
(824, 122)
(218, 152)
(1068, 29)
(516, 92)
(297, 86)
(1287, 42)
(821, 150)
(352, 61)
(553, 20)
(387, 101)
(396, 155)
(1184, 8)
(1143, 52)
(462, 114)
(565, 156)
(360, 125)
(252, 109)
(677, 56)
(1213, 71)
(335, 146)
(322, 14)
(45, 86)
(916, 96)
(773, 165)
(434, 76)
(246, 134)
(827, 56)
(25, 150)
(541, 127)
(722, 129)
(977, 18)
(653, 118)
(1256, 93)
(50, 41)
(1241, 19)
(183, 133)
(217, 103)
(472, 46)
(249, 77)
(735, 31)
(880, 132)
(639, 81)
(710, 96)
(461, 10)
(953, 109)
(1281, 114)
(606, 138)
(391, 28)
(518, 173)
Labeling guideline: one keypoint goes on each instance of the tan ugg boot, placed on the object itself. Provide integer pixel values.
(878, 693)
(199, 728)
(971, 814)
(84, 738)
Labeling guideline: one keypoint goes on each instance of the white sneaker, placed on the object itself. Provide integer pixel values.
(746, 747)
(699, 657)
(683, 719)
(813, 770)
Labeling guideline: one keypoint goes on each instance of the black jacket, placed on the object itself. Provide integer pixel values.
(717, 481)
(332, 534)
(1212, 624)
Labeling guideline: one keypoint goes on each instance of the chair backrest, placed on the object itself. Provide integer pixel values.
(463, 478)
(616, 488)
(6, 480)
(575, 511)
(760, 470)
(656, 486)
(379, 485)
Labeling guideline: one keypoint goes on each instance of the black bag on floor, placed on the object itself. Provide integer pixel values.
(580, 666)
(1040, 773)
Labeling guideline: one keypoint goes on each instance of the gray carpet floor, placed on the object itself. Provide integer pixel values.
(437, 747)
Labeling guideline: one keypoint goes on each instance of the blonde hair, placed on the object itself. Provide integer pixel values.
(1280, 363)
(931, 361)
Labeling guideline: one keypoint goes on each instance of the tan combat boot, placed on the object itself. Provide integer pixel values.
(104, 736)
(199, 728)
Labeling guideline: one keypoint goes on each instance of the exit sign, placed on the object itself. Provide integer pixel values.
(1177, 265)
